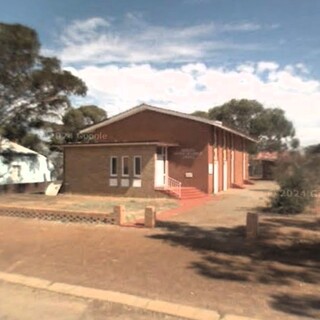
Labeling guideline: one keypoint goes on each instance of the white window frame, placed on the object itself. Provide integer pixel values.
(111, 161)
(122, 166)
(134, 166)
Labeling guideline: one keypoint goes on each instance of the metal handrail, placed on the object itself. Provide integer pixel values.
(174, 186)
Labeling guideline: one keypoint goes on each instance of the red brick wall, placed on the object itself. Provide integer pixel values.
(229, 158)
(149, 125)
(220, 158)
(87, 170)
(194, 153)
(238, 160)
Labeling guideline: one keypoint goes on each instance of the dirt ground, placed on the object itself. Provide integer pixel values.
(198, 258)
(97, 204)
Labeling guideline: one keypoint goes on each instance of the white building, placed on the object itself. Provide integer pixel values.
(22, 165)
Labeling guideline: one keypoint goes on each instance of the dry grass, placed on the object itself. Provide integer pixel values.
(98, 204)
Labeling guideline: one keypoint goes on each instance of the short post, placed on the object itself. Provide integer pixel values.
(150, 217)
(252, 229)
(119, 214)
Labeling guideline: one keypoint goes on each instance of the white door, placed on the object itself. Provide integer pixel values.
(225, 175)
(215, 177)
(232, 166)
(244, 176)
(160, 174)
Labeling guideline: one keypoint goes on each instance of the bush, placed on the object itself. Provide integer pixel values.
(294, 194)
(297, 177)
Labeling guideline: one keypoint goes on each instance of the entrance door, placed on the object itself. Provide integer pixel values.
(160, 174)
(215, 177)
(232, 167)
(225, 175)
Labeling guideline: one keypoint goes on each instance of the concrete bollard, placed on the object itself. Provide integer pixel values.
(119, 214)
(252, 229)
(150, 217)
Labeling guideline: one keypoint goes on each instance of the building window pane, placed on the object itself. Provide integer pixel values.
(113, 166)
(125, 166)
(137, 166)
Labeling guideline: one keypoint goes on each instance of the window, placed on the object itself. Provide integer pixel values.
(160, 150)
(16, 172)
(137, 166)
(125, 166)
(113, 166)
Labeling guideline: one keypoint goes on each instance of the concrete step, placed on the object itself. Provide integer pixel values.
(191, 193)
(187, 193)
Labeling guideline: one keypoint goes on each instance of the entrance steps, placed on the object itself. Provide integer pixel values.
(186, 193)
(192, 193)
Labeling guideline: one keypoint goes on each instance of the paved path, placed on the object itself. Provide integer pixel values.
(229, 208)
(41, 299)
(19, 302)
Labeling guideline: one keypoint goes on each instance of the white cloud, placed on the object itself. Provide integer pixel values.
(198, 87)
(133, 40)
(267, 66)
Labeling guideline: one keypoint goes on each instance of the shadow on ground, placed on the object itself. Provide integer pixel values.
(287, 251)
(301, 305)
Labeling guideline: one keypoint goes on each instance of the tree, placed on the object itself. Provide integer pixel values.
(313, 149)
(33, 87)
(270, 126)
(238, 114)
(73, 121)
(76, 119)
(202, 114)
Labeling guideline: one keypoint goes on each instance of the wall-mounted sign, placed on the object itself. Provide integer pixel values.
(189, 175)
(187, 153)
(210, 168)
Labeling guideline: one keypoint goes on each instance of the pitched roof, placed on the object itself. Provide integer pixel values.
(267, 156)
(144, 107)
(9, 146)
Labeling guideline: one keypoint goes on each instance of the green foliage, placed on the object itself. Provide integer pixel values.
(32, 87)
(313, 149)
(269, 126)
(239, 114)
(294, 194)
(201, 114)
(299, 180)
(294, 143)
(76, 119)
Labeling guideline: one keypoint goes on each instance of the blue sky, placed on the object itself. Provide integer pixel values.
(186, 54)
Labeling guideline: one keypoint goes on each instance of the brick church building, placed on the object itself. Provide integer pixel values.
(148, 151)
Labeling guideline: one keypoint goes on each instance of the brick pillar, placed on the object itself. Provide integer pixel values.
(150, 217)
(252, 229)
(119, 214)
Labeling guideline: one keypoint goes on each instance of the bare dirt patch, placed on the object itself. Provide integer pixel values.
(200, 258)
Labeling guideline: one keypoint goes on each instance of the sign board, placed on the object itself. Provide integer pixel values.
(187, 153)
(53, 188)
(189, 175)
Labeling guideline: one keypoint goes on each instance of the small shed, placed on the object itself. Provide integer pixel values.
(20, 165)
(262, 165)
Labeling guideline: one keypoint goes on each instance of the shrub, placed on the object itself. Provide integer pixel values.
(294, 194)
(297, 176)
